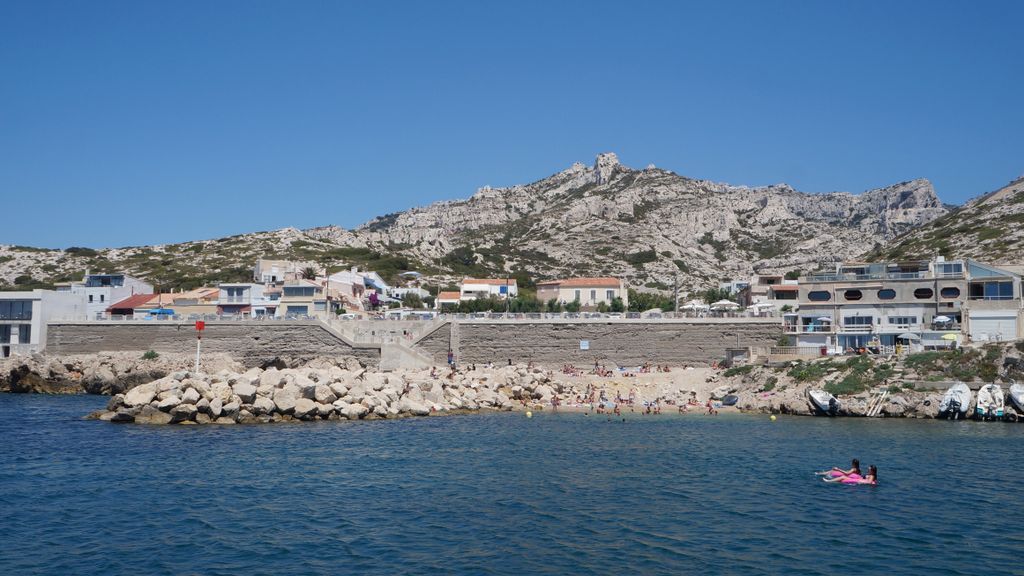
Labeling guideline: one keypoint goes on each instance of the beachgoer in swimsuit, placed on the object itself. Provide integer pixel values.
(840, 473)
(870, 478)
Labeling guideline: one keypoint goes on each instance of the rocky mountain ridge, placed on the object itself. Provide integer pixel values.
(987, 228)
(650, 226)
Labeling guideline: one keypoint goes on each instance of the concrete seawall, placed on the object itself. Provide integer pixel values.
(252, 343)
(621, 343)
(546, 342)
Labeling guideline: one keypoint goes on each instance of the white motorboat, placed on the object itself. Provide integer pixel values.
(990, 402)
(823, 402)
(1017, 397)
(956, 402)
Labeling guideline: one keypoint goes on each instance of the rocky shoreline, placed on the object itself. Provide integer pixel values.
(163, 390)
(105, 373)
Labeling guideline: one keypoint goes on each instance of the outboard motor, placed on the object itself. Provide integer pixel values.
(954, 409)
(833, 406)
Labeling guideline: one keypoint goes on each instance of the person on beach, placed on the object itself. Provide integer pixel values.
(870, 478)
(711, 408)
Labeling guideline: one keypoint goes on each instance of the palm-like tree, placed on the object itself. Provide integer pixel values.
(308, 273)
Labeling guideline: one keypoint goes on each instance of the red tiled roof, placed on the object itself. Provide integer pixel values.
(448, 296)
(131, 302)
(491, 281)
(606, 282)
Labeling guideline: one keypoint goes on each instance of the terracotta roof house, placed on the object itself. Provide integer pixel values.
(590, 292)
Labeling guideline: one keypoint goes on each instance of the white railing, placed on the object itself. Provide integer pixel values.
(808, 329)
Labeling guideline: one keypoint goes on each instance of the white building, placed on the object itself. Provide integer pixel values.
(502, 288)
(23, 318)
(245, 299)
(279, 271)
(928, 303)
(102, 290)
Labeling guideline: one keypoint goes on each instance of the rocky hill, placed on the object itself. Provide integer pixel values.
(988, 228)
(651, 226)
(648, 225)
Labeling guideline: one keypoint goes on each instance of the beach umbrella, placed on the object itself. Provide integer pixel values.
(909, 336)
(724, 305)
(824, 319)
(949, 336)
(943, 319)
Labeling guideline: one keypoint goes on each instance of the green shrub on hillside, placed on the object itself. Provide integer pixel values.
(810, 371)
(738, 370)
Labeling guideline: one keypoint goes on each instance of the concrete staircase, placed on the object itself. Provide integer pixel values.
(398, 355)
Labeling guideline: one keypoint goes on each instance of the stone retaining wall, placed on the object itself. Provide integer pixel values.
(251, 343)
(620, 343)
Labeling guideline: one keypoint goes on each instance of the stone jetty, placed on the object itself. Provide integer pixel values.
(315, 393)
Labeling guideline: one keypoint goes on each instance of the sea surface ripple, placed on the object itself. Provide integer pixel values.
(503, 494)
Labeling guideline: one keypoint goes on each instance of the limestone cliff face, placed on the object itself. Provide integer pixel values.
(987, 228)
(649, 226)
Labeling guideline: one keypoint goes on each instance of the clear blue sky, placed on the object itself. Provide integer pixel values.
(126, 123)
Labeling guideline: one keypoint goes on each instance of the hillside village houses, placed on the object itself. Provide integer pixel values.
(929, 304)
(589, 292)
(932, 303)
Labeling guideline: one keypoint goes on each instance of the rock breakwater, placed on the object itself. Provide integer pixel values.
(309, 393)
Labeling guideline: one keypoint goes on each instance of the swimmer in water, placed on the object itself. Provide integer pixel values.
(870, 478)
(840, 473)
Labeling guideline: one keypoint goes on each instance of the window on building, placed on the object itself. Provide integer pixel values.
(853, 295)
(991, 290)
(819, 296)
(5, 333)
(103, 297)
(90, 298)
(577, 292)
(299, 290)
(858, 321)
(25, 334)
(886, 294)
(924, 293)
(15, 309)
(903, 320)
(950, 292)
(593, 295)
(319, 306)
(949, 268)
(609, 295)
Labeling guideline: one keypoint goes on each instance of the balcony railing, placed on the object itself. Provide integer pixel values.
(808, 329)
(876, 276)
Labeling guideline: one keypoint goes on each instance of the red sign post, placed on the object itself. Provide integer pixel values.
(200, 326)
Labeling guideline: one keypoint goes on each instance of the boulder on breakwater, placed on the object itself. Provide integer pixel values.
(304, 394)
(103, 373)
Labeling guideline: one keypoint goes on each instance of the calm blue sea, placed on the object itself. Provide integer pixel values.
(502, 494)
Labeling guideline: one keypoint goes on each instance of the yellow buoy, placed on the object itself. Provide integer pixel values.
(773, 418)
(529, 414)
